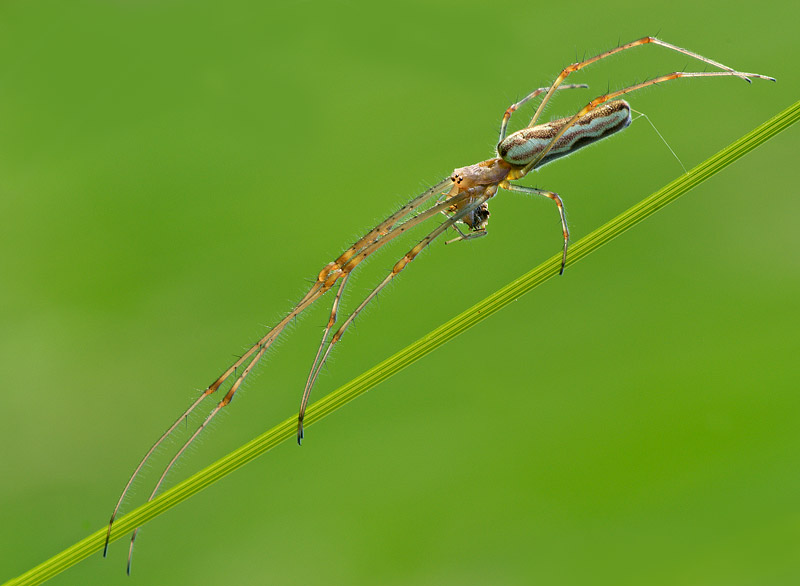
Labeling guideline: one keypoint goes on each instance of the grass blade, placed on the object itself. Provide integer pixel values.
(346, 393)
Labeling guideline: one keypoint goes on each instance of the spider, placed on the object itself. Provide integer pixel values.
(463, 198)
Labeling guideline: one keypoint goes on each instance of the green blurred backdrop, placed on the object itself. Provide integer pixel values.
(173, 173)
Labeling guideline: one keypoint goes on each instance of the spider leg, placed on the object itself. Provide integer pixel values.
(313, 294)
(331, 323)
(639, 42)
(513, 107)
(262, 346)
(465, 237)
(554, 196)
(388, 224)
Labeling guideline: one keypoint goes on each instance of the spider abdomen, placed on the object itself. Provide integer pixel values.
(521, 147)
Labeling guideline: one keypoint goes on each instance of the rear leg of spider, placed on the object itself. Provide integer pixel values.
(553, 196)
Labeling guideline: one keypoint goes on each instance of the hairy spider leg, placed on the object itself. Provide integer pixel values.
(554, 196)
(637, 43)
(513, 107)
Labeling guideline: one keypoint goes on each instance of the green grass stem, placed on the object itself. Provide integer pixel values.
(377, 374)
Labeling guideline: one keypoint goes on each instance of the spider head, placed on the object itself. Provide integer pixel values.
(489, 172)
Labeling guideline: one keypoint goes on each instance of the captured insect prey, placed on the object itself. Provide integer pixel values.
(462, 198)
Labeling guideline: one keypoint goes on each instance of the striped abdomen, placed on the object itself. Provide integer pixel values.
(521, 147)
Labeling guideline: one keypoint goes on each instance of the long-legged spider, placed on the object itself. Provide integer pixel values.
(463, 198)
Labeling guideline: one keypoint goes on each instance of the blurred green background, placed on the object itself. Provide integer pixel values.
(172, 174)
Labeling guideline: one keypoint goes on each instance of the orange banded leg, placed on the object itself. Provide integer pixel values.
(389, 223)
(401, 229)
(643, 41)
